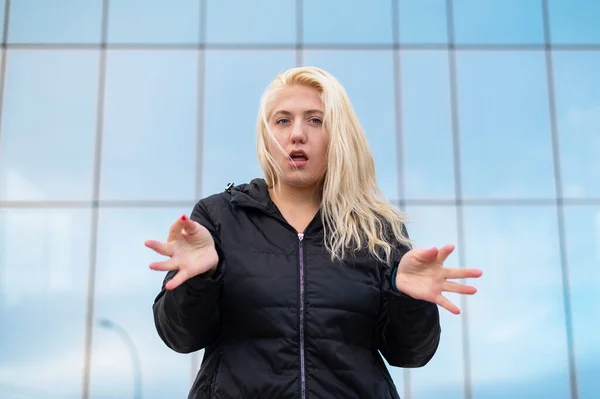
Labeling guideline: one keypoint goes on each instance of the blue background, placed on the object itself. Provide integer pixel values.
(483, 115)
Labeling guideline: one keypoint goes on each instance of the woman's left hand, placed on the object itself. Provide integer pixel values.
(421, 275)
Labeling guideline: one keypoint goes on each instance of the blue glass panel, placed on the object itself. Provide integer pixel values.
(498, 22)
(517, 331)
(443, 376)
(423, 21)
(577, 87)
(247, 22)
(505, 137)
(368, 77)
(49, 124)
(574, 22)
(154, 21)
(426, 125)
(2, 14)
(235, 80)
(344, 22)
(65, 21)
(43, 292)
(582, 227)
(125, 292)
(149, 143)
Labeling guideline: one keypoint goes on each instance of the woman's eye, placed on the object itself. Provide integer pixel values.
(283, 121)
(316, 121)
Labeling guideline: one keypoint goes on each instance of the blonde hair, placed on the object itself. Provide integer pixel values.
(353, 209)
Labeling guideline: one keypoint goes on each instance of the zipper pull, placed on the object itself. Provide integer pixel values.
(300, 236)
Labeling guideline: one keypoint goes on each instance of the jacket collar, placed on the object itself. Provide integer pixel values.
(255, 195)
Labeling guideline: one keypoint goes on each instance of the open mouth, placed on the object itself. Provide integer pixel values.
(298, 158)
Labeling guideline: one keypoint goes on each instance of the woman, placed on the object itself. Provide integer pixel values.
(295, 283)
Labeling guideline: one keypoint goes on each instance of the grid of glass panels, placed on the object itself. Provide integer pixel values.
(483, 116)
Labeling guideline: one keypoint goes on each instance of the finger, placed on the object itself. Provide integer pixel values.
(453, 273)
(165, 265)
(450, 286)
(446, 304)
(176, 281)
(162, 248)
(444, 252)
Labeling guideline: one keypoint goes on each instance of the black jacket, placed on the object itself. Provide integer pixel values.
(279, 320)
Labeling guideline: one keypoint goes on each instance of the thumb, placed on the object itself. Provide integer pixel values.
(189, 226)
(426, 255)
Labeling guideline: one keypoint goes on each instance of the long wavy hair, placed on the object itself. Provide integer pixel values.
(354, 211)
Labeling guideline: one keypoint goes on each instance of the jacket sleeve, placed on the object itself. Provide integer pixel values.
(188, 317)
(408, 330)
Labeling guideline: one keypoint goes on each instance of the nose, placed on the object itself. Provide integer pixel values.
(298, 134)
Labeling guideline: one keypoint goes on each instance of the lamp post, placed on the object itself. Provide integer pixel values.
(135, 358)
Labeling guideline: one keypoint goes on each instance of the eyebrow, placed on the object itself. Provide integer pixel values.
(310, 111)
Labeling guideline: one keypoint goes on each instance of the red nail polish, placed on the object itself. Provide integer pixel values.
(183, 217)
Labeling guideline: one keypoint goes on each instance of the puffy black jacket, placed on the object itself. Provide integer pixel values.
(279, 320)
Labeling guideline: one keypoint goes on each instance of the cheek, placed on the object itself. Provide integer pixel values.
(322, 153)
(323, 145)
(273, 147)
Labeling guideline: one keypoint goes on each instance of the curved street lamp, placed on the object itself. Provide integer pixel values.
(135, 358)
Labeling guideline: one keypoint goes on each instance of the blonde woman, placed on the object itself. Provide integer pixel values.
(298, 283)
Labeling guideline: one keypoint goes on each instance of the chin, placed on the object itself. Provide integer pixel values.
(300, 179)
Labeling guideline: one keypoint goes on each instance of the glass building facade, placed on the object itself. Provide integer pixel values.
(116, 117)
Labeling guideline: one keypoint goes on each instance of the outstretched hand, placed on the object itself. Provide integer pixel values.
(421, 275)
(191, 250)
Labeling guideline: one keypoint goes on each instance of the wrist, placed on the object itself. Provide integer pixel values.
(400, 282)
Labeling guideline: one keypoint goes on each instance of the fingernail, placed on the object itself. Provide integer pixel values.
(183, 217)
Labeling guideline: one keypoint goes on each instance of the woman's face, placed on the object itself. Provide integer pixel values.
(296, 122)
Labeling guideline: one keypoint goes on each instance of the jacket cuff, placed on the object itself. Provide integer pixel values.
(393, 282)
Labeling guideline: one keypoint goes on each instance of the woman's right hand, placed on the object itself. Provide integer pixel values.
(191, 249)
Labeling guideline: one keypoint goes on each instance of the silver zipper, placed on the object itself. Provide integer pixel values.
(302, 366)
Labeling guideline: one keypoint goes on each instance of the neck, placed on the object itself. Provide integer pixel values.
(297, 197)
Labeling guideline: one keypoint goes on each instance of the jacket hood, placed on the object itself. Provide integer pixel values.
(254, 194)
